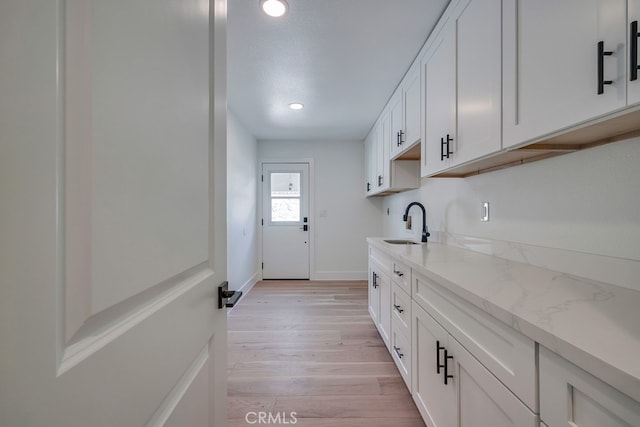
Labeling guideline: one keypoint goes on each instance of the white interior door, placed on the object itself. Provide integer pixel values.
(112, 131)
(285, 221)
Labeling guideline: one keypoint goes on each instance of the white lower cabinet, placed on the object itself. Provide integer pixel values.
(462, 367)
(572, 397)
(374, 295)
(435, 400)
(451, 388)
(380, 300)
(401, 331)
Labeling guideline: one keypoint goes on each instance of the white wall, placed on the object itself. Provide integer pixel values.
(340, 245)
(588, 202)
(242, 219)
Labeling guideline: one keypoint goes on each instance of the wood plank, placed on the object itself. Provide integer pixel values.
(311, 348)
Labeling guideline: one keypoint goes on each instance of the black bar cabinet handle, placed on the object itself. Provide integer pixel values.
(379, 180)
(375, 280)
(601, 54)
(398, 273)
(446, 143)
(398, 308)
(368, 186)
(446, 366)
(399, 138)
(633, 43)
(397, 349)
(438, 348)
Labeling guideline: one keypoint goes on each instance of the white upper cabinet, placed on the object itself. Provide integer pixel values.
(404, 108)
(382, 175)
(383, 180)
(462, 80)
(411, 91)
(564, 63)
(479, 79)
(370, 163)
(396, 119)
(438, 65)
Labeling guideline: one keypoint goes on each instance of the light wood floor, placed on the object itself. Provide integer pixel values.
(311, 348)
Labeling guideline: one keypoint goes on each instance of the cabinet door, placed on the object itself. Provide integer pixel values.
(551, 64)
(572, 397)
(384, 165)
(396, 121)
(384, 317)
(411, 108)
(439, 65)
(435, 400)
(374, 294)
(369, 165)
(479, 81)
(633, 86)
(482, 399)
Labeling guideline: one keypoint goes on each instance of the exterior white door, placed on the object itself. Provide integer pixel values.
(112, 213)
(285, 221)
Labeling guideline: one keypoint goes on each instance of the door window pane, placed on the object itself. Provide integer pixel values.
(285, 196)
(285, 210)
(285, 184)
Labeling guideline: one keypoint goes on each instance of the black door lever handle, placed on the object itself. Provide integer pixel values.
(227, 298)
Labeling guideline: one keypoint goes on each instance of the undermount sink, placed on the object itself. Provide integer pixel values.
(401, 242)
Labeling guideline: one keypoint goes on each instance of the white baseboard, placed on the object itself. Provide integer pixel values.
(339, 275)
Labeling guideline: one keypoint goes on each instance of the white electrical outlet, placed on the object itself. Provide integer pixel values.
(485, 212)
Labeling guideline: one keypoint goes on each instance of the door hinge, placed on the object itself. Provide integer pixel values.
(263, 265)
(262, 221)
(262, 178)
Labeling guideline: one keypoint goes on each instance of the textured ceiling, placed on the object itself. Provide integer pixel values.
(341, 58)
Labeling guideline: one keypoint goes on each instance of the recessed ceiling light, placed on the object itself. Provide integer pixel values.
(296, 106)
(275, 8)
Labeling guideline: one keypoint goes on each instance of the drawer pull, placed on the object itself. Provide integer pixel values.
(398, 273)
(398, 308)
(375, 280)
(397, 349)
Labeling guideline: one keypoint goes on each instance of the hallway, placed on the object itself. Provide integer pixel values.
(308, 353)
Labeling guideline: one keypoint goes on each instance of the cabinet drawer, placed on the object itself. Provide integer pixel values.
(401, 274)
(401, 353)
(382, 259)
(591, 402)
(401, 308)
(509, 355)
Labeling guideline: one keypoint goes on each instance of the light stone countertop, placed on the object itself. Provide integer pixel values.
(594, 325)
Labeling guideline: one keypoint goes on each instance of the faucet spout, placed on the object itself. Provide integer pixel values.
(425, 231)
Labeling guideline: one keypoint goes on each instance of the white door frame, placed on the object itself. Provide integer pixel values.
(312, 216)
